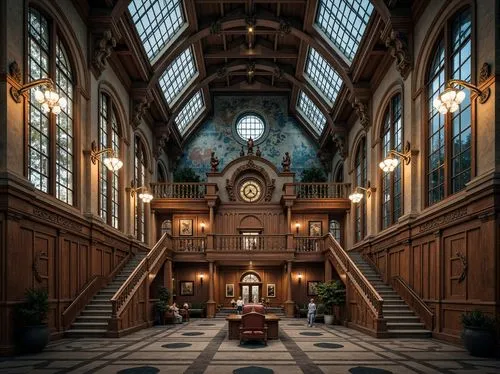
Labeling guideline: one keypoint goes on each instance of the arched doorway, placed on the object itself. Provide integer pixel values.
(250, 287)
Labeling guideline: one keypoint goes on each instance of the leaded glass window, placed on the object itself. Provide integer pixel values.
(360, 180)
(50, 137)
(335, 229)
(392, 139)
(157, 22)
(140, 166)
(177, 75)
(189, 112)
(250, 126)
(344, 23)
(109, 181)
(323, 75)
(250, 278)
(449, 144)
(311, 113)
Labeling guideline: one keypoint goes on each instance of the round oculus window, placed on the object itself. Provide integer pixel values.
(250, 191)
(250, 126)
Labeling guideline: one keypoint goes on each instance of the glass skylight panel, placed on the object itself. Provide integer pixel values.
(156, 21)
(311, 112)
(344, 23)
(189, 112)
(323, 75)
(177, 75)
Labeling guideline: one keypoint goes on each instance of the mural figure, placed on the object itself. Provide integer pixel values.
(214, 162)
(250, 146)
(287, 161)
(258, 153)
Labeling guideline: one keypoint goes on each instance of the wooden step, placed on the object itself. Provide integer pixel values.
(89, 326)
(409, 334)
(93, 319)
(85, 333)
(405, 325)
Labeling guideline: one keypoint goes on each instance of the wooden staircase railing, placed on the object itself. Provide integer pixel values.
(414, 301)
(364, 302)
(250, 242)
(92, 287)
(125, 317)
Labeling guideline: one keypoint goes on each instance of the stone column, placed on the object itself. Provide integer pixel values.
(211, 302)
(289, 304)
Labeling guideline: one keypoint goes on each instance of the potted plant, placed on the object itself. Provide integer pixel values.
(331, 294)
(162, 303)
(479, 333)
(33, 334)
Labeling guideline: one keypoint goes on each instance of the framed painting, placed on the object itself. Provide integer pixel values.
(187, 288)
(229, 289)
(271, 290)
(185, 227)
(315, 228)
(311, 288)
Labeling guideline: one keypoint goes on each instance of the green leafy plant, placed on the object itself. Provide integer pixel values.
(313, 175)
(33, 311)
(186, 175)
(163, 296)
(331, 293)
(478, 320)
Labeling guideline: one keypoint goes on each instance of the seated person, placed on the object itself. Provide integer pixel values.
(175, 309)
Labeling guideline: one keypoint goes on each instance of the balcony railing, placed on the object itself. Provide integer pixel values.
(250, 242)
(321, 190)
(309, 243)
(191, 244)
(179, 190)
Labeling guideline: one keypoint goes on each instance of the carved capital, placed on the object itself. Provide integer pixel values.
(285, 27)
(140, 108)
(103, 48)
(216, 28)
(15, 71)
(397, 42)
(361, 108)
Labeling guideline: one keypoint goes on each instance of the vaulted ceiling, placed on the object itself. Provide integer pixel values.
(327, 55)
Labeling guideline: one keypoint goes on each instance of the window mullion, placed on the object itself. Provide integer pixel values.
(52, 117)
(448, 116)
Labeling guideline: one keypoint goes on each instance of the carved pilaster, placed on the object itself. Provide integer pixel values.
(139, 109)
(397, 42)
(103, 47)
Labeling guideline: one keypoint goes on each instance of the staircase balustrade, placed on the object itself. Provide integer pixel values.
(309, 243)
(178, 190)
(322, 190)
(192, 244)
(146, 270)
(250, 242)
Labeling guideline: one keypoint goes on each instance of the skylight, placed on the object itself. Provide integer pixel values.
(311, 113)
(344, 23)
(157, 22)
(190, 111)
(177, 75)
(323, 75)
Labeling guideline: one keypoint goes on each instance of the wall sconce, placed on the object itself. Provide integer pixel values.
(112, 162)
(201, 278)
(297, 227)
(299, 277)
(49, 99)
(202, 227)
(250, 24)
(357, 195)
(450, 99)
(391, 161)
(145, 196)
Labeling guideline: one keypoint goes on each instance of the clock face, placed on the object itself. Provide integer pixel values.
(250, 191)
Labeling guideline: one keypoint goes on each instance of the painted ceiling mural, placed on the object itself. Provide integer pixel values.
(217, 134)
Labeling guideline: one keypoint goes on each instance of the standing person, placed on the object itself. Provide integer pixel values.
(239, 305)
(311, 313)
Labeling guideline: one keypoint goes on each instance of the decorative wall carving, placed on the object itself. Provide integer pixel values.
(15, 71)
(484, 73)
(397, 42)
(463, 260)
(56, 219)
(161, 142)
(104, 46)
(35, 266)
(140, 108)
(285, 27)
(339, 141)
(250, 166)
(216, 28)
(444, 219)
(361, 108)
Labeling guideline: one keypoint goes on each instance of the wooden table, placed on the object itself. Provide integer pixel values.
(234, 321)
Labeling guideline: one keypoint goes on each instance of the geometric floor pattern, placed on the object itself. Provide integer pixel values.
(201, 346)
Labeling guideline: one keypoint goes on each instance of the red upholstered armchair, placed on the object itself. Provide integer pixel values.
(253, 327)
(259, 308)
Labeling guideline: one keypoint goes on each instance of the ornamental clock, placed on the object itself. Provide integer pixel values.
(250, 191)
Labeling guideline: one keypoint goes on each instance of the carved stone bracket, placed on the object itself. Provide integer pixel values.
(216, 28)
(15, 71)
(222, 72)
(339, 141)
(104, 46)
(463, 260)
(161, 142)
(285, 27)
(278, 72)
(140, 108)
(250, 166)
(397, 42)
(361, 108)
(484, 73)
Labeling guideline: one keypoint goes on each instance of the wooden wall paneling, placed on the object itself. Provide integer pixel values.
(480, 260)
(453, 245)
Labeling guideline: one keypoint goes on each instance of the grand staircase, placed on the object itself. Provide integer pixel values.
(401, 321)
(93, 320)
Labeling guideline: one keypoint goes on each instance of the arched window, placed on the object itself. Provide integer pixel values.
(335, 229)
(449, 137)
(50, 137)
(140, 167)
(250, 278)
(360, 179)
(392, 139)
(166, 227)
(109, 181)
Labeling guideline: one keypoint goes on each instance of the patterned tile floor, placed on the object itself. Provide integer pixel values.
(201, 346)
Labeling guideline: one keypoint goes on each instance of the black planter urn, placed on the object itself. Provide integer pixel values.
(33, 339)
(479, 342)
